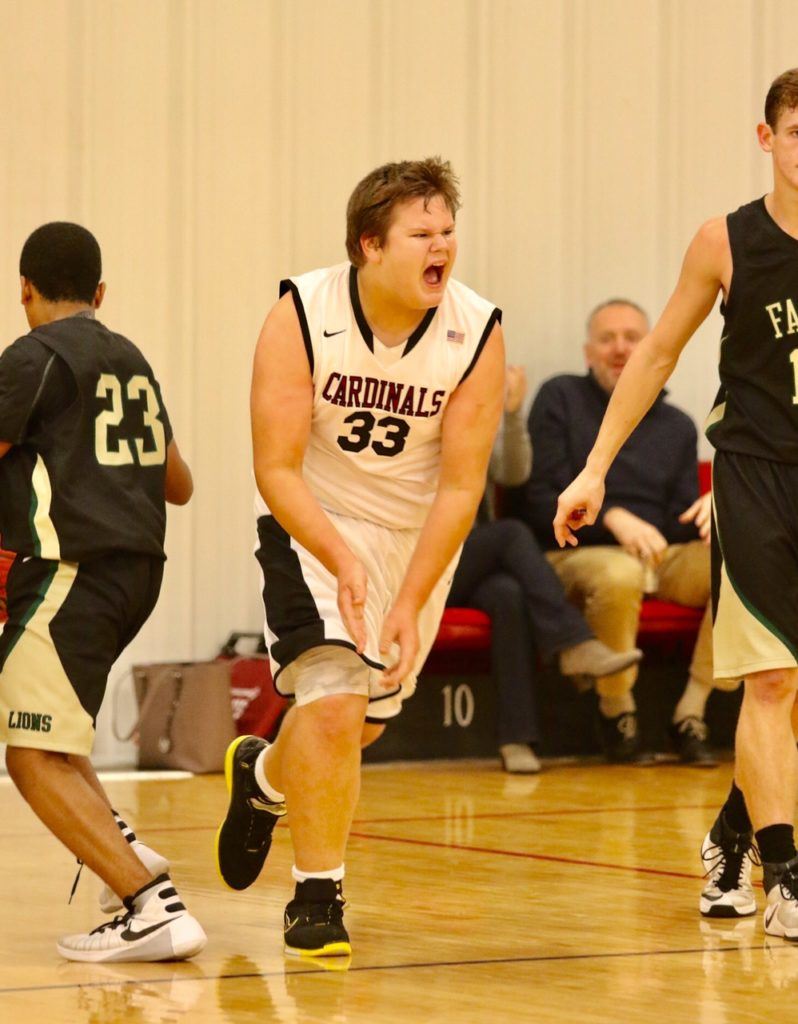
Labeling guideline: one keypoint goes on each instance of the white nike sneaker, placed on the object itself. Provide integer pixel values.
(727, 856)
(157, 926)
(781, 885)
(152, 861)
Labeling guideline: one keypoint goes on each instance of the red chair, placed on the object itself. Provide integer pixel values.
(463, 629)
(663, 622)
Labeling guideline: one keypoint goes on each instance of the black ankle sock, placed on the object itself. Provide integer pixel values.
(776, 844)
(735, 811)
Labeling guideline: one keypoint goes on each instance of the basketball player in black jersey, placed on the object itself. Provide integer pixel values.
(87, 460)
(751, 257)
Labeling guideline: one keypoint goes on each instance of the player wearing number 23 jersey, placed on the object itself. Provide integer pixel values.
(86, 474)
(87, 452)
(87, 462)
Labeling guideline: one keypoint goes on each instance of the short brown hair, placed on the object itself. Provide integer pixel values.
(782, 95)
(371, 205)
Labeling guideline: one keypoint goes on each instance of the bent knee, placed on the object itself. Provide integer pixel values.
(622, 573)
(371, 732)
(339, 714)
(500, 594)
(515, 531)
(772, 687)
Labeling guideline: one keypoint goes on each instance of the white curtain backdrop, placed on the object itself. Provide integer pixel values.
(211, 145)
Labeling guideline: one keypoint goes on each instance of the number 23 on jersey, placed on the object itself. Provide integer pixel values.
(149, 443)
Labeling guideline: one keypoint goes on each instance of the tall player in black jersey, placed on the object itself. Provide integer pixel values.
(87, 459)
(751, 256)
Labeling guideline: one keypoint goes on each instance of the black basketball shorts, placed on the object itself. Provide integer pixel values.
(67, 624)
(754, 565)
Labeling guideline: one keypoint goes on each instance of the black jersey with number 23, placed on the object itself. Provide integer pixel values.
(84, 412)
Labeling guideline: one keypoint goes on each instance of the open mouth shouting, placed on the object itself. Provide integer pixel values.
(434, 273)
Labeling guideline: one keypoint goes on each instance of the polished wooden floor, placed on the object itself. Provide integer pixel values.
(473, 897)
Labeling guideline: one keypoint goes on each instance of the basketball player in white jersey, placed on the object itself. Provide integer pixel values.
(376, 393)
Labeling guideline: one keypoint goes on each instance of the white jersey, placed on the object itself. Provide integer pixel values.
(375, 443)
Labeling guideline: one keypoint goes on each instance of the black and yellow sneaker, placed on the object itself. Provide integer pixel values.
(245, 835)
(314, 920)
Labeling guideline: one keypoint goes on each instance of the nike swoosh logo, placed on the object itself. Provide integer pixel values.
(289, 924)
(769, 914)
(130, 936)
(331, 334)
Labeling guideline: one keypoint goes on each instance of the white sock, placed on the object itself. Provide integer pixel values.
(260, 777)
(611, 707)
(693, 701)
(335, 874)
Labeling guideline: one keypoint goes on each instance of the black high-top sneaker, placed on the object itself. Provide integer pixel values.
(727, 857)
(314, 920)
(245, 835)
(620, 739)
(689, 738)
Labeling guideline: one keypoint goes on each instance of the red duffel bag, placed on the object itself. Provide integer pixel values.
(6, 560)
(258, 708)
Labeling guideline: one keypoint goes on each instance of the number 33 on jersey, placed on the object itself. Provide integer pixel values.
(374, 449)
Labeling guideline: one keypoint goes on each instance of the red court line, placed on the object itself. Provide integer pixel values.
(631, 868)
(551, 812)
(486, 816)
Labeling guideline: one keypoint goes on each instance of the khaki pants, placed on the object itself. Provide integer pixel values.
(608, 585)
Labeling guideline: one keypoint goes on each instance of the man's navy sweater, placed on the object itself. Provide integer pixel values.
(655, 474)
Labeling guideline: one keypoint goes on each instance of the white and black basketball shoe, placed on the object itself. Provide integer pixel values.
(157, 926)
(153, 861)
(781, 886)
(727, 856)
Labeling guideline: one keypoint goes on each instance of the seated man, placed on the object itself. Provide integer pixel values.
(503, 572)
(652, 536)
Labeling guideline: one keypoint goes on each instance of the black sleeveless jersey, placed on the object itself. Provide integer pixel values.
(86, 475)
(756, 410)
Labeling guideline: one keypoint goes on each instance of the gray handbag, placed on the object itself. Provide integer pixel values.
(185, 719)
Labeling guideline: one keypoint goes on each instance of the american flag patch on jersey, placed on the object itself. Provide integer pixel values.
(458, 337)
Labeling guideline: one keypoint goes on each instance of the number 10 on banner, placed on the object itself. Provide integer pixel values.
(458, 705)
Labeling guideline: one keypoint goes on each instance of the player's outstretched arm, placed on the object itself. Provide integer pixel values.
(469, 427)
(706, 265)
(179, 484)
(281, 404)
